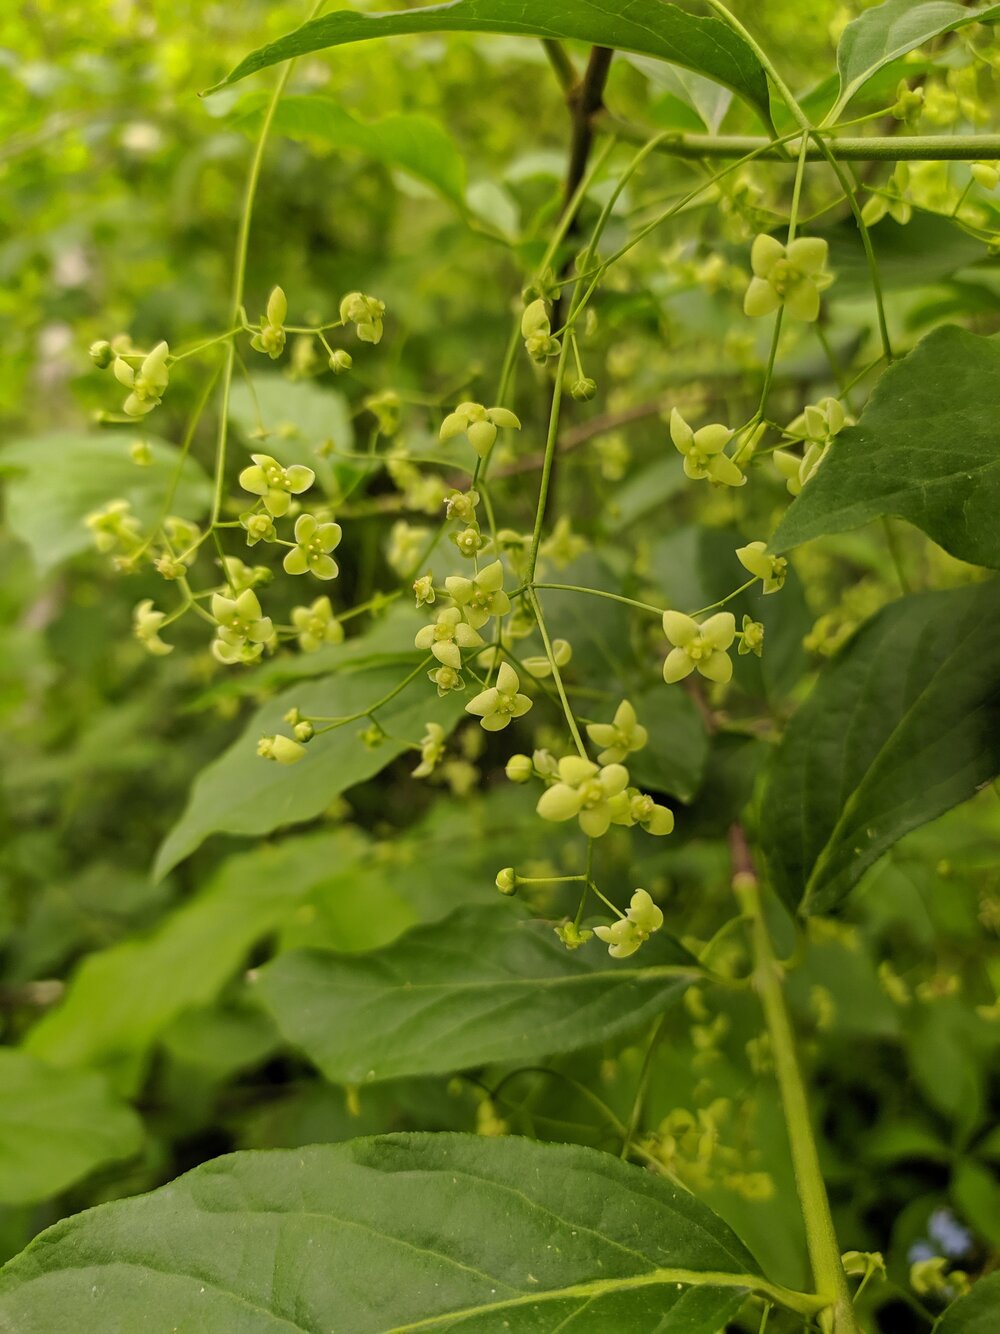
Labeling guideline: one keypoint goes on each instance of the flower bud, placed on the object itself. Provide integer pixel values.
(506, 881)
(341, 362)
(102, 354)
(519, 768)
(584, 390)
(304, 731)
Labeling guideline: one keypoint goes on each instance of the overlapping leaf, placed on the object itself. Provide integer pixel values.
(903, 725)
(927, 449)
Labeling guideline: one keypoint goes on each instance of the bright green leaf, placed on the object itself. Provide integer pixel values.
(57, 480)
(888, 31)
(648, 27)
(926, 449)
(393, 1233)
(903, 725)
(55, 1127)
(240, 793)
(483, 985)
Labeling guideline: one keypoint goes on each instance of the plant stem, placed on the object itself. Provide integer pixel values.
(867, 148)
(821, 1238)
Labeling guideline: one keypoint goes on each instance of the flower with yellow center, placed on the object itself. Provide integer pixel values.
(482, 596)
(447, 636)
(771, 570)
(703, 451)
(595, 795)
(790, 275)
(497, 705)
(697, 647)
(624, 936)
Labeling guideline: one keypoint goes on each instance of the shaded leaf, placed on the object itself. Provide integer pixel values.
(55, 1127)
(414, 143)
(903, 725)
(57, 480)
(674, 758)
(391, 1233)
(926, 449)
(978, 1312)
(483, 985)
(888, 31)
(646, 27)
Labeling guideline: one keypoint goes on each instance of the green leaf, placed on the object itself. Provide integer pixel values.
(239, 793)
(57, 480)
(926, 449)
(55, 1127)
(416, 144)
(889, 31)
(648, 27)
(978, 1312)
(187, 960)
(484, 985)
(392, 1233)
(903, 725)
(928, 250)
(674, 758)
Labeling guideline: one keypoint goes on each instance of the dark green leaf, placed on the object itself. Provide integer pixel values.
(888, 31)
(675, 756)
(926, 449)
(924, 252)
(976, 1313)
(55, 1127)
(646, 27)
(484, 985)
(903, 725)
(57, 480)
(393, 1233)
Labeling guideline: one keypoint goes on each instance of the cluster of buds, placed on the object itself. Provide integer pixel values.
(456, 628)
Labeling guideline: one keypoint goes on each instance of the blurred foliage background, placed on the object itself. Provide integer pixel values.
(121, 191)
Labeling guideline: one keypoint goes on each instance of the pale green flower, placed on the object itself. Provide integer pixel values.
(446, 679)
(431, 750)
(317, 625)
(643, 811)
(270, 337)
(479, 424)
(243, 628)
(573, 936)
(751, 637)
(423, 589)
(620, 737)
(365, 313)
(497, 705)
(585, 790)
(147, 383)
(703, 451)
(447, 636)
(540, 666)
(482, 596)
(699, 647)
(146, 627)
(280, 748)
(536, 330)
(771, 570)
(315, 541)
(114, 526)
(792, 276)
(274, 484)
(624, 936)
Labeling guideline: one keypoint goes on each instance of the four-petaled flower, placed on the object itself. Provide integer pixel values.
(243, 628)
(314, 541)
(626, 935)
(281, 748)
(365, 313)
(771, 570)
(751, 637)
(270, 337)
(431, 750)
(620, 737)
(702, 647)
(317, 625)
(480, 425)
(792, 276)
(146, 626)
(497, 705)
(447, 636)
(643, 810)
(482, 596)
(596, 795)
(147, 383)
(446, 679)
(274, 484)
(703, 451)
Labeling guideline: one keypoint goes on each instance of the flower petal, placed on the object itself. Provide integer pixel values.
(680, 629)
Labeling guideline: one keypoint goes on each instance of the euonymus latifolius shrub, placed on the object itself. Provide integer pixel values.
(580, 483)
